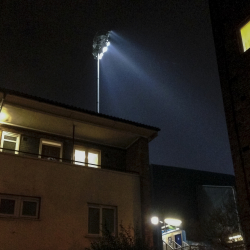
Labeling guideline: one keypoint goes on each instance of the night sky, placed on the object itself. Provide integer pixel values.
(160, 69)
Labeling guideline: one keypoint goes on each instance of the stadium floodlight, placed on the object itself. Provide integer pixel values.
(100, 46)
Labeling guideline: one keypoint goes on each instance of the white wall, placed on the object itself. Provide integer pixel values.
(65, 192)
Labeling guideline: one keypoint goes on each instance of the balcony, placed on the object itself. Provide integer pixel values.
(59, 160)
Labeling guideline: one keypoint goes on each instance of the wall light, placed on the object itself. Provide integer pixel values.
(235, 237)
(3, 116)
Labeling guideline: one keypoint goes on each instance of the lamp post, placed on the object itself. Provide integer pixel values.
(100, 46)
(157, 223)
(168, 222)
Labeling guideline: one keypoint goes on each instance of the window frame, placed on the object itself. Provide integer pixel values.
(48, 142)
(87, 151)
(18, 210)
(30, 199)
(101, 207)
(18, 136)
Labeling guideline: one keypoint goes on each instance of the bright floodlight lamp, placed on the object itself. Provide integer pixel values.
(155, 220)
(173, 222)
(100, 46)
(101, 40)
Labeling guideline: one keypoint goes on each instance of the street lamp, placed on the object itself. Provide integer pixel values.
(169, 223)
(100, 46)
(157, 223)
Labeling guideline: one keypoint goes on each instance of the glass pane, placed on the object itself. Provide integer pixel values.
(51, 152)
(93, 159)
(11, 138)
(29, 208)
(245, 35)
(9, 147)
(79, 157)
(108, 220)
(94, 220)
(7, 206)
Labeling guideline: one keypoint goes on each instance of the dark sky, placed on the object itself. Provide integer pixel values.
(160, 69)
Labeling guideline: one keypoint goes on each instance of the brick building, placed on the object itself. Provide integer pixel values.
(231, 29)
(66, 172)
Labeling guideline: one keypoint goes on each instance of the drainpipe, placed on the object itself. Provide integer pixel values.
(73, 142)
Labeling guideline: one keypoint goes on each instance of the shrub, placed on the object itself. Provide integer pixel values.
(125, 240)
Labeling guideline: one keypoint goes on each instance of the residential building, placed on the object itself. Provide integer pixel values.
(231, 29)
(67, 173)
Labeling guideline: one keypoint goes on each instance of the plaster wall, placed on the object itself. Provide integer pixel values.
(65, 191)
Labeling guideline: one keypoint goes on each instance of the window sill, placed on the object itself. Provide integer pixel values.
(94, 236)
(9, 217)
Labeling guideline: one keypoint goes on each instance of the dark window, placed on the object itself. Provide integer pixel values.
(18, 206)
(101, 218)
(108, 219)
(7, 206)
(9, 147)
(49, 151)
(29, 208)
(94, 220)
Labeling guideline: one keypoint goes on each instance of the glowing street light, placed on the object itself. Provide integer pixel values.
(169, 223)
(173, 222)
(100, 46)
(155, 220)
(157, 223)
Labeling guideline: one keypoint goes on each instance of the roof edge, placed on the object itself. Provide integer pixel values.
(73, 108)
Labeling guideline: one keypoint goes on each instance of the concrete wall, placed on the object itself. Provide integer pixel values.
(138, 160)
(65, 192)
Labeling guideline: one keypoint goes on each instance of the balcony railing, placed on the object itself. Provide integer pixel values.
(63, 160)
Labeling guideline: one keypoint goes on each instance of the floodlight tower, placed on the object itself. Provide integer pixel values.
(100, 46)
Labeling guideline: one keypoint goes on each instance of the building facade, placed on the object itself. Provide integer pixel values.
(231, 29)
(66, 174)
(191, 196)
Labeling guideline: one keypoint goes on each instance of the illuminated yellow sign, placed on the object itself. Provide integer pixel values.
(245, 36)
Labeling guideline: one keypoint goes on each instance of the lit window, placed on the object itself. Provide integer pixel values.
(245, 36)
(10, 142)
(86, 157)
(101, 218)
(19, 206)
(51, 150)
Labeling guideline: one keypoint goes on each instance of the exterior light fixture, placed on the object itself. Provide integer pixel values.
(155, 220)
(100, 44)
(3, 116)
(235, 237)
(173, 222)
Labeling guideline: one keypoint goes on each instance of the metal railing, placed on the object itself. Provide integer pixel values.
(61, 159)
(185, 246)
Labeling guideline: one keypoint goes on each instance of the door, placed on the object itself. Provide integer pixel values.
(178, 239)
